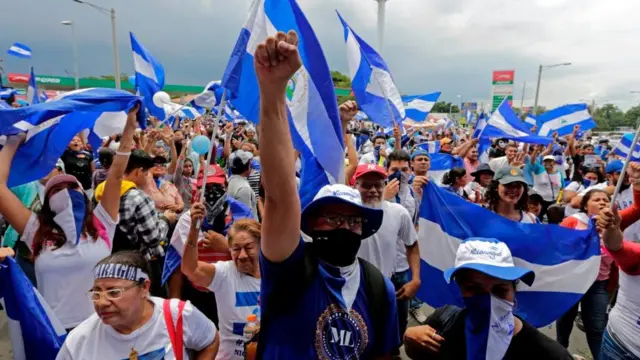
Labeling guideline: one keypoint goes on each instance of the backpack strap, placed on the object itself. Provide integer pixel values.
(176, 333)
(376, 290)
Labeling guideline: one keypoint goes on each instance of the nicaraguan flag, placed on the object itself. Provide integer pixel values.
(441, 164)
(50, 127)
(175, 250)
(32, 91)
(504, 123)
(564, 118)
(431, 147)
(206, 99)
(565, 261)
(189, 112)
(315, 125)
(149, 77)
(34, 330)
(372, 83)
(418, 107)
(361, 116)
(624, 147)
(531, 120)
(20, 50)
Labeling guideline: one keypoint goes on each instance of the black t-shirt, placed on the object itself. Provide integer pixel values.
(529, 343)
(577, 161)
(78, 164)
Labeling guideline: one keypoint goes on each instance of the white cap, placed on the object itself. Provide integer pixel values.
(549, 157)
(491, 257)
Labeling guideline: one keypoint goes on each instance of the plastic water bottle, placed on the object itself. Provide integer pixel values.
(251, 329)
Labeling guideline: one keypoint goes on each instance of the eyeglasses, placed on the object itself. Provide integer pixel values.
(338, 220)
(111, 294)
(368, 185)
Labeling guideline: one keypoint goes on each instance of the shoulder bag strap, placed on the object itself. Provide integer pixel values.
(175, 333)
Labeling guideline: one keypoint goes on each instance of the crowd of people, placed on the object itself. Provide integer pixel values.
(336, 279)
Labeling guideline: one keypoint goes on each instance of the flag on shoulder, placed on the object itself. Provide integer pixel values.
(624, 147)
(20, 50)
(149, 77)
(34, 330)
(50, 127)
(314, 121)
(371, 80)
(504, 123)
(563, 119)
(418, 107)
(564, 271)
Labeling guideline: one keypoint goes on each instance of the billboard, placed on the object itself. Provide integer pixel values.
(501, 87)
(471, 106)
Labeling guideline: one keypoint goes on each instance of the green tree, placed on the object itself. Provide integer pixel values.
(632, 116)
(540, 110)
(443, 107)
(609, 117)
(342, 81)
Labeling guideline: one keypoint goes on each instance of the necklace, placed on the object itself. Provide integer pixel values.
(133, 355)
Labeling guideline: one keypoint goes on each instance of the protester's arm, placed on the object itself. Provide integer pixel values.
(168, 139)
(11, 208)
(397, 135)
(409, 237)
(463, 149)
(347, 111)
(276, 60)
(534, 155)
(228, 131)
(6, 252)
(174, 284)
(199, 272)
(110, 200)
(547, 151)
(178, 178)
(210, 351)
(626, 254)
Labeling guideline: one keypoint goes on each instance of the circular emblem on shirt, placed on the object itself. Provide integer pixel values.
(514, 171)
(340, 334)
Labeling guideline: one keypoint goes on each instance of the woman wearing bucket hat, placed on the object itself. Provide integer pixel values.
(477, 188)
(67, 236)
(507, 195)
(486, 327)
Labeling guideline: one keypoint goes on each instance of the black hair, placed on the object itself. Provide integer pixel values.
(128, 257)
(588, 196)
(493, 197)
(398, 155)
(379, 137)
(105, 156)
(587, 146)
(237, 167)
(453, 175)
(579, 176)
(138, 159)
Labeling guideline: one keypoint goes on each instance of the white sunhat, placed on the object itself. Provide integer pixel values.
(491, 257)
(342, 194)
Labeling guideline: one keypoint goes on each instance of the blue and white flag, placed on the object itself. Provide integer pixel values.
(504, 123)
(20, 50)
(564, 270)
(149, 77)
(32, 91)
(531, 120)
(418, 107)
(6, 93)
(175, 250)
(431, 147)
(361, 116)
(189, 112)
(50, 127)
(564, 118)
(624, 145)
(441, 164)
(314, 121)
(371, 80)
(206, 99)
(34, 330)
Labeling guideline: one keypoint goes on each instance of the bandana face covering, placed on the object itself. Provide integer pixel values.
(215, 202)
(70, 208)
(488, 327)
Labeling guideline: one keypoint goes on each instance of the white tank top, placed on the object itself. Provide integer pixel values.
(624, 319)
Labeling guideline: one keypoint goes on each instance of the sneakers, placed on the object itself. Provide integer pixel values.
(419, 315)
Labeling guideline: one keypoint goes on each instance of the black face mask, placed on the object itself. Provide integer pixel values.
(337, 247)
(215, 201)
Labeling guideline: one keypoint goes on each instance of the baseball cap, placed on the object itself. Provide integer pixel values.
(341, 194)
(61, 179)
(215, 175)
(614, 167)
(445, 141)
(482, 168)
(549, 157)
(507, 175)
(491, 257)
(419, 152)
(239, 158)
(364, 169)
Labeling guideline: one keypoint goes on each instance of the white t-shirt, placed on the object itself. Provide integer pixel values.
(498, 163)
(64, 275)
(380, 249)
(528, 218)
(624, 317)
(94, 340)
(236, 297)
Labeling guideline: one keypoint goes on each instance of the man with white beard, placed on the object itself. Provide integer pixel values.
(380, 249)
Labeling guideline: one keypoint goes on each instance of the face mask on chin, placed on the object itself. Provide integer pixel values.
(69, 208)
(489, 326)
(337, 247)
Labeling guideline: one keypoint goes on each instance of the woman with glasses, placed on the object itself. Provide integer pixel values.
(67, 237)
(236, 283)
(130, 324)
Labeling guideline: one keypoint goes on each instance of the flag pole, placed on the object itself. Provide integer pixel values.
(205, 173)
(624, 168)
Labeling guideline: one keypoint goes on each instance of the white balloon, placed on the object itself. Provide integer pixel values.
(161, 98)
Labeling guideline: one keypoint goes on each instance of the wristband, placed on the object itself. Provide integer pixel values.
(123, 153)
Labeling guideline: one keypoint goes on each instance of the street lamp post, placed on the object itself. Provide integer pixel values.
(543, 67)
(112, 14)
(75, 52)
(381, 16)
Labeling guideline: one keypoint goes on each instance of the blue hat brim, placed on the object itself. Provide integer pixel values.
(510, 273)
(372, 217)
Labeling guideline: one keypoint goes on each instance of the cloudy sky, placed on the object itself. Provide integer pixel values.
(430, 45)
